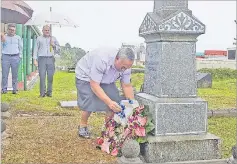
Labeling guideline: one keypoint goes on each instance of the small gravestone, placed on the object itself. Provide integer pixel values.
(3, 126)
(68, 104)
(73, 104)
(204, 80)
(233, 159)
(4, 107)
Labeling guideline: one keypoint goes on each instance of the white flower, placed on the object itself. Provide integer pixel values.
(128, 111)
(117, 118)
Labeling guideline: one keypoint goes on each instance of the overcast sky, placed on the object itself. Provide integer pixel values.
(110, 23)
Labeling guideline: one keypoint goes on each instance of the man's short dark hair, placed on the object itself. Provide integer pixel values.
(11, 25)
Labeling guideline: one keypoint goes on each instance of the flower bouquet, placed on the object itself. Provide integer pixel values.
(133, 122)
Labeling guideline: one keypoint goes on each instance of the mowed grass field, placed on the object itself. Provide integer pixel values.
(49, 133)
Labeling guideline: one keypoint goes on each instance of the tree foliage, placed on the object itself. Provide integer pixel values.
(69, 56)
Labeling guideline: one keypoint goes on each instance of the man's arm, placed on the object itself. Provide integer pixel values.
(3, 39)
(36, 50)
(97, 70)
(126, 85)
(20, 46)
(96, 74)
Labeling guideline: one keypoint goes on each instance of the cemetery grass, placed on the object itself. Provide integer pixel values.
(29, 101)
(41, 131)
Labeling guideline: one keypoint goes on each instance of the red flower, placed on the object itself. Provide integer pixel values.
(126, 132)
(142, 120)
(111, 128)
(140, 108)
(140, 131)
(114, 152)
(105, 146)
(99, 141)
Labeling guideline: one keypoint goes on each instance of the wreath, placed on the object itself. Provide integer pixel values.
(133, 122)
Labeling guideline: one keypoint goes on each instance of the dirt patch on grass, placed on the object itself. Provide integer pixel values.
(50, 139)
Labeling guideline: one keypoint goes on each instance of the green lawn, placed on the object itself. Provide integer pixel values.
(221, 95)
(63, 89)
(225, 128)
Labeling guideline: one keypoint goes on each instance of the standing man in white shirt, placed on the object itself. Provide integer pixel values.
(12, 47)
(45, 48)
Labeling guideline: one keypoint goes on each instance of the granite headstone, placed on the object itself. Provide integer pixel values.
(170, 86)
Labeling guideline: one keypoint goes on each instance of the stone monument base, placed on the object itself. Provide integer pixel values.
(161, 149)
(176, 116)
(125, 160)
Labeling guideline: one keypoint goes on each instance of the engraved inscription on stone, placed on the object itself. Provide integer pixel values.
(152, 65)
(169, 74)
(151, 75)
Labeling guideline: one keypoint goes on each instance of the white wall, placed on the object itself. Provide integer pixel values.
(202, 63)
(209, 63)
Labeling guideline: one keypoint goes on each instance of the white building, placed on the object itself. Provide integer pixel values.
(140, 52)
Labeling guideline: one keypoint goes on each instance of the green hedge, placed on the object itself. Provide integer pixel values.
(138, 66)
(221, 73)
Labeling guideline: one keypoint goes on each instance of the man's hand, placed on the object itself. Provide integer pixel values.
(3, 39)
(114, 106)
(36, 63)
(52, 43)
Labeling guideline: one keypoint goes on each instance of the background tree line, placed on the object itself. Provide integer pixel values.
(69, 56)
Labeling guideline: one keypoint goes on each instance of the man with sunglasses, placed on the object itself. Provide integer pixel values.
(12, 47)
(96, 74)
